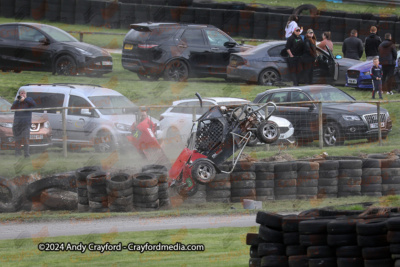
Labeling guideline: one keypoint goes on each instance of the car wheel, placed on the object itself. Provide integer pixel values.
(203, 171)
(332, 135)
(177, 71)
(268, 132)
(65, 65)
(268, 77)
(147, 77)
(104, 142)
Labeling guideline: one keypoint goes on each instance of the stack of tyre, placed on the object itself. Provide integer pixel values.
(371, 179)
(372, 238)
(97, 191)
(390, 170)
(328, 179)
(343, 238)
(81, 175)
(120, 192)
(161, 173)
(269, 250)
(219, 190)
(285, 180)
(243, 182)
(349, 179)
(199, 196)
(307, 180)
(393, 237)
(296, 253)
(145, 192)
(264, 181)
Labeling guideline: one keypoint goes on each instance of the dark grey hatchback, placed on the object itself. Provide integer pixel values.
(41, 47)
(341, 121)
(177, 51)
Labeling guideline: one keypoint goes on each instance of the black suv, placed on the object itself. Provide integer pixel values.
(177, 51)
(341, 121)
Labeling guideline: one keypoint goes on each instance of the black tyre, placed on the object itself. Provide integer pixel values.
(269, 219)
(371, 163)
(65, 65)
(328, 165)
(149, 205)
(264, 167)
(10, 196)
(311, 8)
(104, 142)
(119, 181)
(342, 240)
(253, 239)
(291, 239)
(254, 262)
(251, 193)
(371, 188)
(371, 179)
(313, 226)
(120, 201)
(393, 224)
(372, 240)
(274, 261)
(380, 262)
(264, 184)
(268, 132)
(286, 175)
(218, 194)
(120, 193)
(298, 261)
(285, 191)
(301, 182)
(328, 181)
(82, 173)
(254, 252)
(248, 184)
(290, 223)
(328, 174)
(268, 77)
(145, 190)
(267, 249)
(348, 252)
(285, 167)
(97, 179)
(342, 226)
(349, 181)
(219, 185)
(350, 163)
(142, 180)
(203, 171)
(176, 70)
(313, 240)
(296, 250)
(58, 199)
(242, 176)
(372, 227)
(320, 252)
(306, 192)
(64, 181)
(350, 172)
(350, 262)
(373, 253)
(332, 135)
(393, 236)
(326, 262)
(395, 248)
(285, 183)
(144, 198)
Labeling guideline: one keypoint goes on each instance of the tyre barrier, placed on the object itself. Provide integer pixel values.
(285, 180)
(199, 197)
(161, 173)
(243, 184)
(371, 179)
(390, 172)
(307, 180)
(219, 190)
(349, 179)
(336, 240)
(328, 179)
(97, 191)
(264, 181)
(145, 192)
(81, 184)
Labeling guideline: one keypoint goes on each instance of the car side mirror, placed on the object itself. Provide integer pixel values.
(86, 112)
(44, 41)
(230, 44)
(338, 56)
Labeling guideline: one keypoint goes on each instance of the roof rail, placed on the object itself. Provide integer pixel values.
(70, 85)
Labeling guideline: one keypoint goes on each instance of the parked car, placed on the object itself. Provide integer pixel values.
(341, 121)
(176, 122)
(104, 129)
(177, 51)
(41, 47)
(40, 133)
(359, 75)
(266, 64)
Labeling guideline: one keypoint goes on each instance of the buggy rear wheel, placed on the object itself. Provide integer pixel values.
(268, 132)
(203, 171)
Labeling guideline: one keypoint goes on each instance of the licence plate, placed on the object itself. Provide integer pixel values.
(352, 81)
(233, 63)
(128, 47)
(36, 136)
(107, 63)
(375, 125)
(282, 136)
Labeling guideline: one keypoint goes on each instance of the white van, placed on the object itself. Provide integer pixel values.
(105, 129)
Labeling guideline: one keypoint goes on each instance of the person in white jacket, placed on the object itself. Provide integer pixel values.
(291, 25)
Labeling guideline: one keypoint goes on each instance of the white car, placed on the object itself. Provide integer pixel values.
(176, 122)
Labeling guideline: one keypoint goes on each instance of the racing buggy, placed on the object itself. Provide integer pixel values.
(217, 135)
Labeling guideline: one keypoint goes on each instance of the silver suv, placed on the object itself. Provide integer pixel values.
(105, 129)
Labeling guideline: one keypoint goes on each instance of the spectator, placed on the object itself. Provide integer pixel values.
(372, 43)
(387, 57)
(326, 41)
(294, 48)
(309, 55)
(291, 26)
(376, 75)
(353, 46)
(22, 122)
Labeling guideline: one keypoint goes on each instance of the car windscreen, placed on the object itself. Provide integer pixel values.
(115, 105)
(57, 34)
(329, 94)
(4, 106)
(156, 35)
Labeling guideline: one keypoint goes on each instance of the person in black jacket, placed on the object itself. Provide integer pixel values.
(387, 57)
(294, 48)
(309, 55)
(353, 46)
(376, 75)
(372, 43)
(22, 122)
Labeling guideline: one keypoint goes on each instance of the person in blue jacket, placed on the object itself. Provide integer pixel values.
(22, 122)
(376, 75)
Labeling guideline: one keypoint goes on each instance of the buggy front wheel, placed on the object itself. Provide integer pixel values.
(203, 171)
(268, 132)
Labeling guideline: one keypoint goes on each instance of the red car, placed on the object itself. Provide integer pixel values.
(40, 136)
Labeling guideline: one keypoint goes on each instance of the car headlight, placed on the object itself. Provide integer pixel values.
(46, 124)
(351, 118)
(84, 52)
(367, 73)
(6, 124)
(123, 127)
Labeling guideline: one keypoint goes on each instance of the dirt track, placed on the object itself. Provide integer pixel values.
(17, 230)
